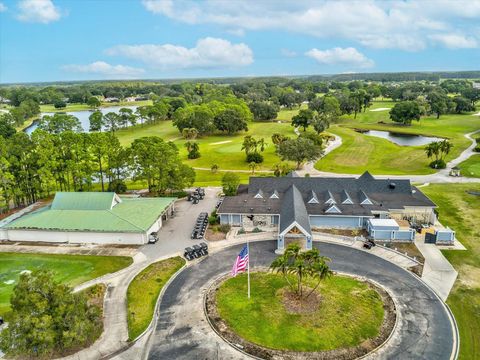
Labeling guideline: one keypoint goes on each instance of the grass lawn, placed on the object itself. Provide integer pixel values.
(143, 293)
(361, 152)
(220, 149)
(471, 166)
(461, 211)
(349, 313)
(70, 269)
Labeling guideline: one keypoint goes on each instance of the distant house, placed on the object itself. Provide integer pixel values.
(111, 99)
(295, 205)
(91, 217)
(476, 85)
(4, 100)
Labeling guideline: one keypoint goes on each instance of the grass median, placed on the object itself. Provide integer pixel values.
(144, 290)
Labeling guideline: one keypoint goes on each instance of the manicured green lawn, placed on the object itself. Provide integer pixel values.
(349, 313)
(70, 269)
(143, 293)
(361, 152)
(471, 166)
(220, 149)
(461, 211)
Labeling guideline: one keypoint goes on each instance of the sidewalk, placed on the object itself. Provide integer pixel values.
(438, 273)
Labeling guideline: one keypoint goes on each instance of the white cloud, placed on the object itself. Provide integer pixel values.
(455, 41)
(406, 25)
(341, 56)
(103, 68)
(41, 11)
(207, 53)
(288, 53)
(3, 7)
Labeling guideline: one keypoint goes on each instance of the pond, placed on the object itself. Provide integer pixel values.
(403, 139)
(83, 116)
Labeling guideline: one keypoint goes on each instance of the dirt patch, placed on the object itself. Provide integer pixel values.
(222, 329)
(342, 232)
(295, 305)
(211, 235)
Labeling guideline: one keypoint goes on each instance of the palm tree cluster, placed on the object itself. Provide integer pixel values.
(301, 265)
(438, 149)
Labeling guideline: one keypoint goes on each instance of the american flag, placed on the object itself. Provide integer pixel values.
(241, 261)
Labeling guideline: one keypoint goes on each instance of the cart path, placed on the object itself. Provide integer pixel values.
(441, 176)
(425, 329)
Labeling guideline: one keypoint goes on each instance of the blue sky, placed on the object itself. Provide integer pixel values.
(55, 40)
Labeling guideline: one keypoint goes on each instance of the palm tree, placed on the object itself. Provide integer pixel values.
(307, 264)
(433, 149)
(188, 145)
(445, 146)
(253, 165)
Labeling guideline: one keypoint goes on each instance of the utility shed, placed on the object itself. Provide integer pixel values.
(388, 229)
(91, 217)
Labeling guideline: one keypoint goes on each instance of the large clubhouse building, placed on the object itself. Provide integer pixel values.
(296, 205)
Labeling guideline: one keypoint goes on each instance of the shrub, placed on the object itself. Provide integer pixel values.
(257, 230)
(224, 228)
(213, 218)
(117, 186)
(438, 164)
(241, 231)
(255, 157)
(477, 148)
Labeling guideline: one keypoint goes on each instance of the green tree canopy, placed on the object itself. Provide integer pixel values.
(230, 182)
(406, 111)
(47, 318)
(299, 150)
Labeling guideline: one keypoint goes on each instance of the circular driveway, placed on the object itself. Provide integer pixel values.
(424, 331)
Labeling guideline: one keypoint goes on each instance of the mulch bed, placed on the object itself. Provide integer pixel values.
(259, 351)
(211, 235)
(294, 305)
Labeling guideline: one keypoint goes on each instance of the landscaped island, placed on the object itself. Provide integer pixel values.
(343, 315)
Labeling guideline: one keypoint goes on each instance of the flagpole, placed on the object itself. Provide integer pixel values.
(248, 267)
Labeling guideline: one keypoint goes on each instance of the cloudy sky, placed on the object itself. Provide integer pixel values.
(51, 40)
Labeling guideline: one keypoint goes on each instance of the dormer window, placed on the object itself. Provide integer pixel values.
(259, 195)
(313, 198)
(274, 195)
(365, 199)
(333, 210)
(346, 199)
(330, 199)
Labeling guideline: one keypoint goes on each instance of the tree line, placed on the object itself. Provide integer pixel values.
(34, 167)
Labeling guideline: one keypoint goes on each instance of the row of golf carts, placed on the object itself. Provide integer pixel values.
(196, 251)
(197, 195)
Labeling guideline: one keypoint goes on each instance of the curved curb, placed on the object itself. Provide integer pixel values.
(361, 278)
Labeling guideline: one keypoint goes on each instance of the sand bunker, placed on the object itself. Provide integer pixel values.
(380, 109)
(221, 142)
(477, 114)
(9, 282)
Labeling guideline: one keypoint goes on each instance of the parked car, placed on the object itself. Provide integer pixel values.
(152, 238)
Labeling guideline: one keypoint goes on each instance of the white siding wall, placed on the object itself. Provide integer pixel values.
(77, 237)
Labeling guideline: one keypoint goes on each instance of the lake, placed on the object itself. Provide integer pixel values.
(403, 139)
(83, 116)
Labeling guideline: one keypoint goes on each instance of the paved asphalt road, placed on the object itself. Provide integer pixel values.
(182, 332)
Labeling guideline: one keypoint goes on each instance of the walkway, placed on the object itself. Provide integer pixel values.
(438, 273)
(425, 329)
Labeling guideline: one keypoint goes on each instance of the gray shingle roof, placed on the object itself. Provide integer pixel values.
(382, 196)
(294, 210)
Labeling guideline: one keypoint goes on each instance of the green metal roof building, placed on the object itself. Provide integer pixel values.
(92, 217)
